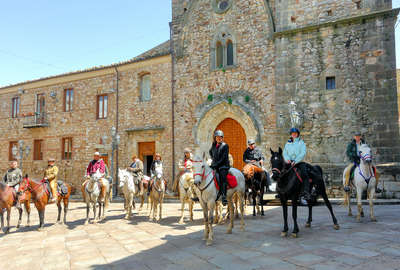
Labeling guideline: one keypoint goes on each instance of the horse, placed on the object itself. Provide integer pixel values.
(289, 186)
(207, 192)
(7, 200)
(186, 182)
(364, 179)
(92, 190)
(40, 193)
(130, 189)
(257, 181)
(157, 193)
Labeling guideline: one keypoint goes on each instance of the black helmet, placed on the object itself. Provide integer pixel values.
(292, 130)
(218, 133)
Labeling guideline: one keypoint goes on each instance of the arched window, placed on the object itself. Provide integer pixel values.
(223, 52)
(220, 55)
(145, 88)
(229, 53)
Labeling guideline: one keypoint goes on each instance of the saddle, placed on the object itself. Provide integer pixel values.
(47, 189)
(231, 179)
(62, 188)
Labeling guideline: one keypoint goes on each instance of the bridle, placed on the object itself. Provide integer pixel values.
(203, 177)
(25, 188)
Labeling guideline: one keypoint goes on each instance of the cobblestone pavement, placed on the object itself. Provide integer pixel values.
(138, 244)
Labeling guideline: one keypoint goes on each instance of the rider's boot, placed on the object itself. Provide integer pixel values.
(346, 187)
(53, 187)
(223, 192)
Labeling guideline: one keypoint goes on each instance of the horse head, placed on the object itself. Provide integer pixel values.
(123, 177)
(277, 163)
(365, 154)
(200, 167)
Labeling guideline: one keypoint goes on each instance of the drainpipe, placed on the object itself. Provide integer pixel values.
(171, 42)
(116, 127)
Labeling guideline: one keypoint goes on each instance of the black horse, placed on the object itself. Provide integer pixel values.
(289, 186)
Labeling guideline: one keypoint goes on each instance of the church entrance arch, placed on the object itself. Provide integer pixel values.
(235, 137)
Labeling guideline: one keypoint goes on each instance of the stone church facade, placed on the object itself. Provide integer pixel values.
(250, 67)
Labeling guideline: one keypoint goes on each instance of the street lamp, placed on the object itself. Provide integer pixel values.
(22, 150)
(115, 140)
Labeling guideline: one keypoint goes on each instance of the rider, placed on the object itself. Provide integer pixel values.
(13, 178)
(157, 162)
(219, 153)
(253, 155)
(294, 153)
(354, 157)
(136, 168)
(97, 164)
(185, 165)
(50, 175)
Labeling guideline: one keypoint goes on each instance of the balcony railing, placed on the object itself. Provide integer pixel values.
(36, 121)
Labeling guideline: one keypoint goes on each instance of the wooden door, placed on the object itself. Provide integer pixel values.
(146, 154)
(235, 137)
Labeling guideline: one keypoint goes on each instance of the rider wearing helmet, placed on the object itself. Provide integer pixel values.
(294, 153)
(253, 155)
(219, 153)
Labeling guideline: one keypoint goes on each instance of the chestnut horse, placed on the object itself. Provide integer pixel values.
(7, 200)
(41, 196)
(256, 179)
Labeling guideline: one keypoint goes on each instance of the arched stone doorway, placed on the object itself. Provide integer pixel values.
(235, 137)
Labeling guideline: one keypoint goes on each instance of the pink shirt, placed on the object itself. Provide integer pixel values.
(94, 166)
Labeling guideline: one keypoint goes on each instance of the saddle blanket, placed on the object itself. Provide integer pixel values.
(62, 189)
(232, 181)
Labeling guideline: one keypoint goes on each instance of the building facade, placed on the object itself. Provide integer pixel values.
(252, 68)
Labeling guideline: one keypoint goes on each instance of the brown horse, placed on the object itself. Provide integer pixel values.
(256, 180)
(41, 195)
(7, 200)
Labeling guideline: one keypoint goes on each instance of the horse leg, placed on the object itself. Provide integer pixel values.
(8, 219)
(371, 195)
(231, 214)
(28, 213)
(182, 208)
(191, 203)
(160, 214)
(205, 216)
(41, 219)
(141, 203)
(262, 201)
(242, 199)
(2, 220)
(87, 214)
(20, 217)
(348, 201)
(66, 203)
(309, 220)
(294, 216)
(59, 211)
(328, 204)
(359, 205)
(285, 215)
(210, 224)
(253, 195)
(95, 212)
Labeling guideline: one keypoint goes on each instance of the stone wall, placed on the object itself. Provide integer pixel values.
(81, 124)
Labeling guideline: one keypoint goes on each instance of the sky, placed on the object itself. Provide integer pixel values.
(45, 37)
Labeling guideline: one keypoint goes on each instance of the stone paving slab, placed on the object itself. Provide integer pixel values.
(117, 243)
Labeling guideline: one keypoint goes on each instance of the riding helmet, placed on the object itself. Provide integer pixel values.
(251, 141)
(218, 133)
(292, 130)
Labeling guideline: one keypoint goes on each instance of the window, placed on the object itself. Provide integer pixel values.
(358, 4)
(220, 52)
(68, 99)
(11, 155)
(15, 107)
(102, 106)
(229, 53)
(329, 12)
(145, 93)
(66, 148)
(223, 51)
(330, 83)
(40, 103)
(37, 150)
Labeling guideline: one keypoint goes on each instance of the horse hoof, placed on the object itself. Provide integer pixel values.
(374, 219)
(18, 226)
(7, 231)
(242, 228)
(350, 214)
(86, 222)
(294, 235)
(308, 225)
(362, 214)
(283, 234)
(336, 226)
(180, 221)
(358, 219)
(40, 229)
(229, 231)
(209, 242)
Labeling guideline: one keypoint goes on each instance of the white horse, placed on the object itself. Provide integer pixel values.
(186, 182)
(364, 179)
(126, 182)
(92, 191)
(207, 194)
(157, 193)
